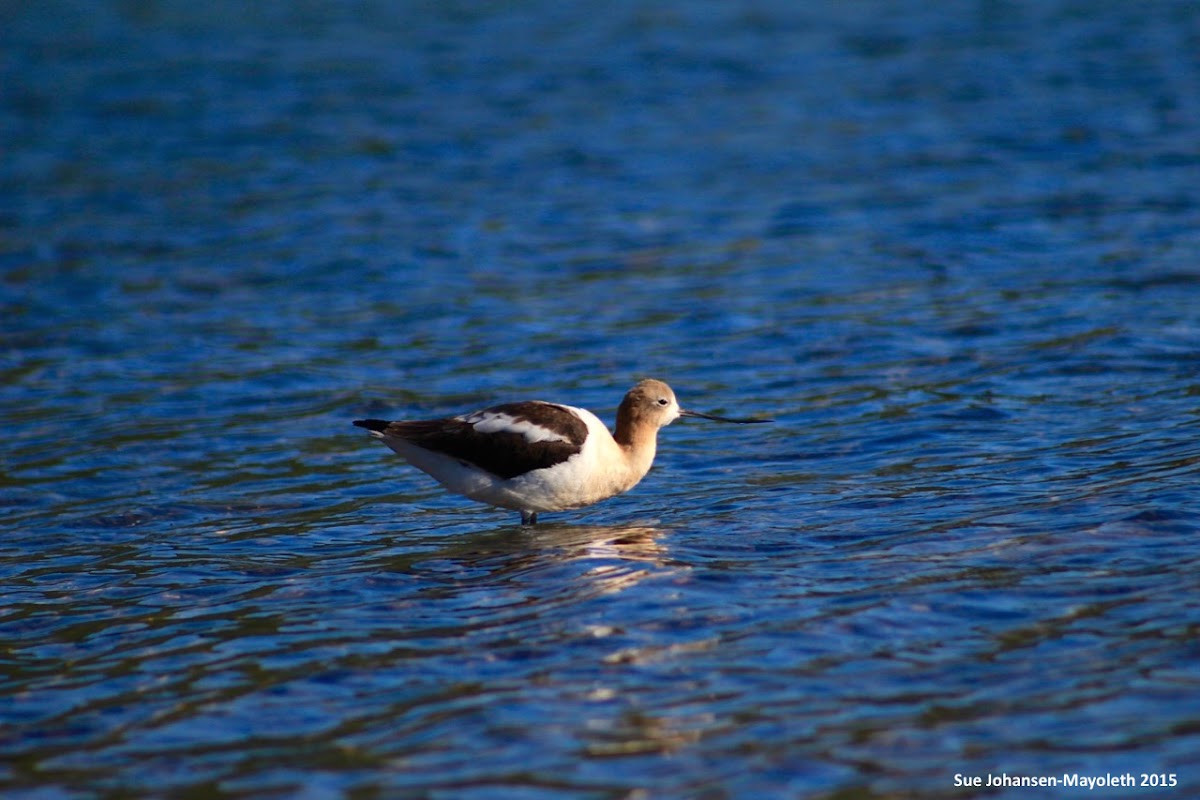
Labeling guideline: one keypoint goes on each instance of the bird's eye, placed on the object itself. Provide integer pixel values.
(662, 401)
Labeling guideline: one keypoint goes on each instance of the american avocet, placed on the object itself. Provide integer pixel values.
(535, 456)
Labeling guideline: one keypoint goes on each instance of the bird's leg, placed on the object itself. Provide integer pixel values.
(529, 518)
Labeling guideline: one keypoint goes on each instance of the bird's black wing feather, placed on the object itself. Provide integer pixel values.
(516, 438)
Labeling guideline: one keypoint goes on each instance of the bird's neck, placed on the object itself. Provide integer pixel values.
(638, 440)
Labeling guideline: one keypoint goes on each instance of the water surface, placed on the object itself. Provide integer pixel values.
(951, 250)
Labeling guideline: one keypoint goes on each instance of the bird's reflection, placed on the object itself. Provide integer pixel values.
(632, 542)
(620, 556)
(547, 559)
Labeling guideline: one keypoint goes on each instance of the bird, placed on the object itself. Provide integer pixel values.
(534, 456)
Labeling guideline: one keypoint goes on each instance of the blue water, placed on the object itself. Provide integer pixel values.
(952, 248)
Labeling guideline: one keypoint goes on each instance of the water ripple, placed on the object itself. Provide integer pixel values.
(951, 253)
